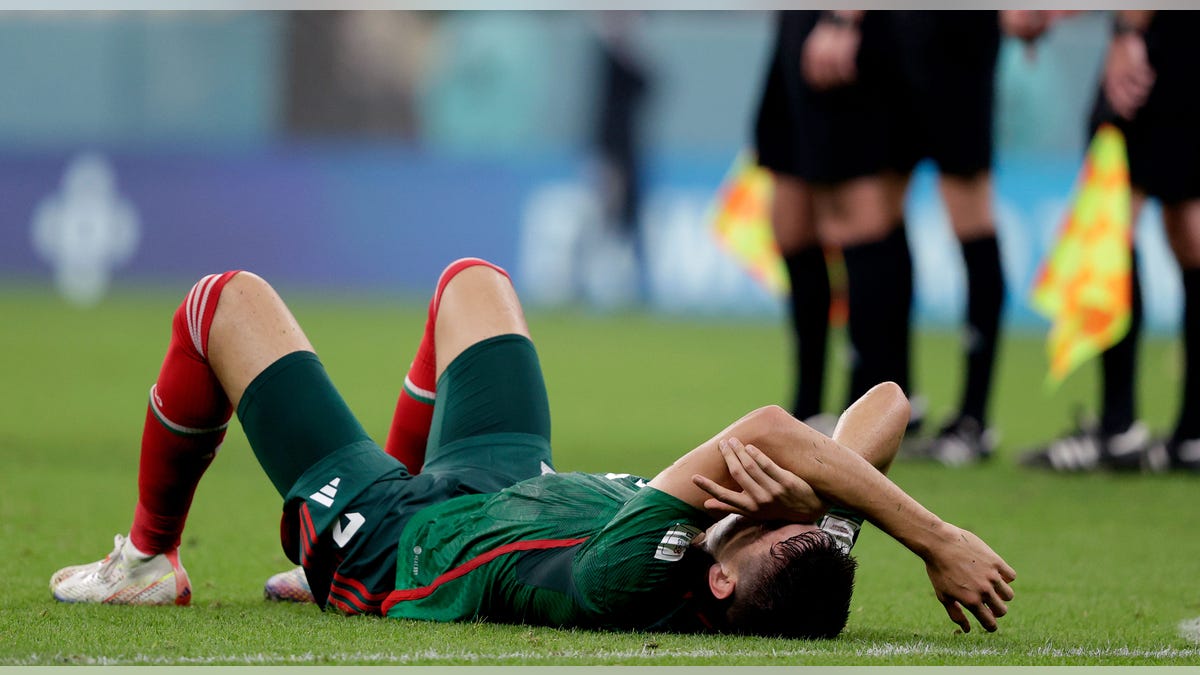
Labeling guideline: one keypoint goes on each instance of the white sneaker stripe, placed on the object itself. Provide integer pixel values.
(196, 320)
(192, 299)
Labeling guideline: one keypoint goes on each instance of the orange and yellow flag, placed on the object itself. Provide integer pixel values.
(1084, 284)
(741, 220)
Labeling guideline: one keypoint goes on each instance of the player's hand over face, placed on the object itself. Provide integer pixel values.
(829, 56)
(768, 492)
(967, 573)
(1128, 76)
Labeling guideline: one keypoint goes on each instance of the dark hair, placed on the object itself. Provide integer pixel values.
(800, 590)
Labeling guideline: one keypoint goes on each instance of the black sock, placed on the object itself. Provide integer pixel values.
(1118, 366)
(985, 302)
(809, 279)
(1188, 426)
(879, 276)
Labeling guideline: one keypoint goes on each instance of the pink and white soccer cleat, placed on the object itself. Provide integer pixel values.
(124, 577)
(289, 586)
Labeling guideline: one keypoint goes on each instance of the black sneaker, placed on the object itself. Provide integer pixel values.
(959, 442)
(1174, 455)
(1185, 455)
(1086, 449)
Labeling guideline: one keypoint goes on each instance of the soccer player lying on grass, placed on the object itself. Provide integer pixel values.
(486, 529)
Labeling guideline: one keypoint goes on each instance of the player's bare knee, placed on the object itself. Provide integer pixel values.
(478, 303)
(233, 300)
(476, 270)
(250, 311)
(475, 282)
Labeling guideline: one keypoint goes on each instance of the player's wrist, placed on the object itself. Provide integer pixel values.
(841, 19)
(1123, 28)
(930, 538)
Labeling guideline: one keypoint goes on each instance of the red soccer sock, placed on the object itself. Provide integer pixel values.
(185, 423)
(409, 432)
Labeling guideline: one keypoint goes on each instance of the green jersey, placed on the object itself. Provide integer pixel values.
(603, 551)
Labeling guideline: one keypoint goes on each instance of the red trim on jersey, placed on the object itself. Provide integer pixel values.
(308, 535)
(398, 596)
(344, 593)
(341, 606)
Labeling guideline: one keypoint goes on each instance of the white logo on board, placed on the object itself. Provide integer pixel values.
(85, 229)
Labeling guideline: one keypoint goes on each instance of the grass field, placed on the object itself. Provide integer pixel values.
(1107, 565)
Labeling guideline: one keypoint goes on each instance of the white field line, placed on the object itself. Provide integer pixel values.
(884, 650)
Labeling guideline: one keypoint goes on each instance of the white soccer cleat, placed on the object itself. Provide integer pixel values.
(289, 586)
(65, 572)
(125, 578)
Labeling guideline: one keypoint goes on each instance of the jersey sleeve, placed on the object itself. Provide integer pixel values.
(631, 571)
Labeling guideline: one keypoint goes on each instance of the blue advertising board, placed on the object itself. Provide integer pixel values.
(389, 217)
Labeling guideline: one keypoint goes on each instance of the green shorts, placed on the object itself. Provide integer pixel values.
(346, 501)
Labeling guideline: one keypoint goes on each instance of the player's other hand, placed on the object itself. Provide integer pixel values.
(830, 54)
(768, 492)
(967, 573)
(1128, 76)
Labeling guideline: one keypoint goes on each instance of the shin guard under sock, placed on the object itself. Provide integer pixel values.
(809, 277)
(985, 303)
(185, 423)
(1119, 366)
(879, 276)
(1188, 426)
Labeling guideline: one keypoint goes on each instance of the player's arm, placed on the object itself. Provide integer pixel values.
(963, 570)
(872, 427)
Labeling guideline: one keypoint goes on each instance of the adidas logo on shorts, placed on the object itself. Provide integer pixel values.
(325, 495)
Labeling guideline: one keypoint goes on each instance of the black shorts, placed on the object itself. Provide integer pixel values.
(944, 110)
(1163, 138)
(825, 137)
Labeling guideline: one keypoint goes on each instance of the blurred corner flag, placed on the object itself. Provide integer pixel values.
(1083, 287)
(741, 221)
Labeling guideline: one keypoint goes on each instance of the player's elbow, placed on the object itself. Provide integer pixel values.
(894, 396)
(767, 421)
(770, 415)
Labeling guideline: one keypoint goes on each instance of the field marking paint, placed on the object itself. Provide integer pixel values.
(1189, 629)
(884, 650)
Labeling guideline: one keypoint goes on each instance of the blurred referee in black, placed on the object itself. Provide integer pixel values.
(823, 130)
(1149, 90)
(943, 112)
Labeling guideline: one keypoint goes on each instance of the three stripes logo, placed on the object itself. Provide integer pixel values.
(325, 495)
